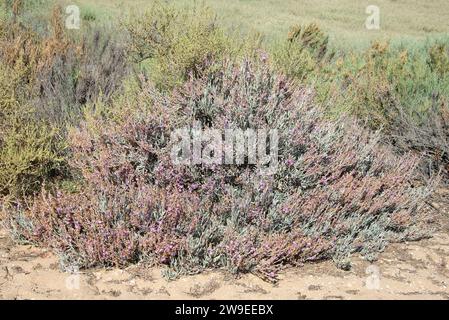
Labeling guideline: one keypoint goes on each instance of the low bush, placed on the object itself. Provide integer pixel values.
(336, 190)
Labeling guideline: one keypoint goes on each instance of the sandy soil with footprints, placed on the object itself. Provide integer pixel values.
(418, 270)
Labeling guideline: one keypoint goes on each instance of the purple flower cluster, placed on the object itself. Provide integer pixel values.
(336, 191)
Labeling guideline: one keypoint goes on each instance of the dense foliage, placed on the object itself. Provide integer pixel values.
(335, 191)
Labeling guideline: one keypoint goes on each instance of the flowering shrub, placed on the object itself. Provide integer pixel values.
(336, 189)
(30, 150)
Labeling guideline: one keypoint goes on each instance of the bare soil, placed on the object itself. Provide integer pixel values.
(418, 270)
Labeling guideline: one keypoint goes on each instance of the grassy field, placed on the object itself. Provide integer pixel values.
(344, 20)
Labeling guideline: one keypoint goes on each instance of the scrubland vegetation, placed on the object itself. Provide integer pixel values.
(86, 117)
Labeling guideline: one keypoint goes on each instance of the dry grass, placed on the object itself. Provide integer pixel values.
(344, 20)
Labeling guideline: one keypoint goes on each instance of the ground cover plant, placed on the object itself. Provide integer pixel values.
(86, 162)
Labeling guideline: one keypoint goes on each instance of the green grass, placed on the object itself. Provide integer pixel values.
(344, 20)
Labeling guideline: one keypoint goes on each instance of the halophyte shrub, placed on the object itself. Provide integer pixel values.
(63, 71)
(336, 189)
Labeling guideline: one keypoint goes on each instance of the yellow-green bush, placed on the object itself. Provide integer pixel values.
(366, 90)
(439, 59)
(173, 44)
(32, 147)
(30, 150)
(28, 157)
(303, 52)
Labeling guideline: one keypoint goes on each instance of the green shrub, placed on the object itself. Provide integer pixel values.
(403, 90)
(304, 51)
(439, 59)
(30, 150)
(174, 44)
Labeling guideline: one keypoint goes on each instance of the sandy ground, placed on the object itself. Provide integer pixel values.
(418, 270)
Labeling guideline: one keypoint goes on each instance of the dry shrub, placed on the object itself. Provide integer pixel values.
(439, 59)
(309, 37)
(401, 91)
(93, 70)
(426, 134)
(64, 73)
